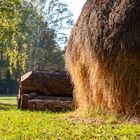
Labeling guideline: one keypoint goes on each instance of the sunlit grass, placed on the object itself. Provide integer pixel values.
(8, 100)
(28, 125)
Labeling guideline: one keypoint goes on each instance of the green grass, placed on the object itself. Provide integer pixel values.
(28, 125)
(8, 100)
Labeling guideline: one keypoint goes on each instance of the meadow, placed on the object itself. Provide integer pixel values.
(36, 125)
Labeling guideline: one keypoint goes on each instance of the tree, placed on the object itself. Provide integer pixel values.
(31, 34)
(10, 19)
(59, 18)
(42, 30)
(103, 56)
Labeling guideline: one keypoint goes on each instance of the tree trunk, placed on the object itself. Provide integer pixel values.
(103, 56)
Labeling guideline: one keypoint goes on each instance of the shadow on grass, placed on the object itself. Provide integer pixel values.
(7, 106)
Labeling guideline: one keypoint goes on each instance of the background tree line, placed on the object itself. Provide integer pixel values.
(33, 33)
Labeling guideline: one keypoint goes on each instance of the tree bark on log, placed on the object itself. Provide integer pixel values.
(54, 105)
(24, 102)
(41, 90)
(54, 84)
(35, 101)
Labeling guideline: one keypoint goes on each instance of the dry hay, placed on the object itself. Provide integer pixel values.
(103, 56)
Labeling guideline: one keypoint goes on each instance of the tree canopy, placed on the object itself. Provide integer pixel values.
(32, 33)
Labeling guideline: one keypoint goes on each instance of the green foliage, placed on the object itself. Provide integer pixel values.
(59, 18)
(31, 34)
(43, 22)
(10, 20)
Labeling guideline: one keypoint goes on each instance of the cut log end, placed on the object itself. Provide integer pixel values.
(24, 102)
(25, 76)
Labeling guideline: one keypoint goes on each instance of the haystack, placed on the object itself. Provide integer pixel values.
(103, 56)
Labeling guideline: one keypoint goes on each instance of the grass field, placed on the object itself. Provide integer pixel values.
(28, 125)
(8, 100)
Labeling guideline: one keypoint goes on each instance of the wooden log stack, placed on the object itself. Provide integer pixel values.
(41, 91)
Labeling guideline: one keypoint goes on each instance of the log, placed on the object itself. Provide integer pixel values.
(24, 102)
(53, 84)
(35, 101)
(41, 90)
(53, 105)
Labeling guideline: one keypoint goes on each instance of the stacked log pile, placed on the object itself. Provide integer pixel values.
(41, 91)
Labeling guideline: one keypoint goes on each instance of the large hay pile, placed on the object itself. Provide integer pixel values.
(103, 56)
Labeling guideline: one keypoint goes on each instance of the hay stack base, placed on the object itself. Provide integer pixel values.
(103, 56)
